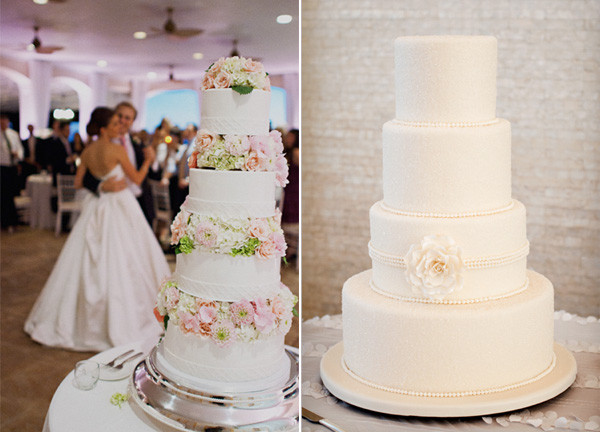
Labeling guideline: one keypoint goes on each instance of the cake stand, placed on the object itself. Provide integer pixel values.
(192, 410)
(348, 389)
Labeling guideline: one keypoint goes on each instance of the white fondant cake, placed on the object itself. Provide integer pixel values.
(226, 311)
(448, 309)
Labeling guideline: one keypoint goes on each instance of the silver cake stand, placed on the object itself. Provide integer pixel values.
(192, 410)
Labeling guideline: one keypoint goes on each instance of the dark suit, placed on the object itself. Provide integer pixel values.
(56, 158)
(27, 168)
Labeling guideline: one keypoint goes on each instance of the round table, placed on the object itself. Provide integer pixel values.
(39, 189)
(72, 409)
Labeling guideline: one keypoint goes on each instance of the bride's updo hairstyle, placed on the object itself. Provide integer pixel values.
(99, 119)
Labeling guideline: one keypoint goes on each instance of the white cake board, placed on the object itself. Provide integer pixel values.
(348, 389)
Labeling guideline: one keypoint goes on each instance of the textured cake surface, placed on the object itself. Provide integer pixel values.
(449, 308)
(441, 348)
(224, 111)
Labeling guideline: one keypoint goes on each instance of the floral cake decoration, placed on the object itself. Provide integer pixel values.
(240, 152)
(262, 237)
(240, 74)
(222, 321)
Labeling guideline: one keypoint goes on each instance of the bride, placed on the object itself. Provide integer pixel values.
(102, 290)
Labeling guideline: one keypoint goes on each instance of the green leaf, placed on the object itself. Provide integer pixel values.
(211, 65)
(295, 312)
(166, 321)
(242, 89)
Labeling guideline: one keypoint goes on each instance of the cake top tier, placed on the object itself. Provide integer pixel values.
(446, 79)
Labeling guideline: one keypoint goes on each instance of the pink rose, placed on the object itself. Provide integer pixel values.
(277, 217)
(259, 228)
(278, 307)
(258, 143)
(252, 66)
(189, 323)
(216, 67)
(171, 297)
(252, 162)
(193, 160)
(278, 143)
(237, 145)
(267, 249)
(223, 80)
(207, 314)
(206, 234)
(208, 81)
(178, 227)
(281, 171)
(264, 318)
(279, 241)
(205, 140)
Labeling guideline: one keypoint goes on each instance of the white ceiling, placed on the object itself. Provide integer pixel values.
(92, 30)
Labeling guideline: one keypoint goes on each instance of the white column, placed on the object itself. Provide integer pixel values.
(139, 90)
(40, 73)
(291, 84)
(99, 86)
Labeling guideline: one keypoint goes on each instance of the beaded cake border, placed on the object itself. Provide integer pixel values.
(388, 209)
(470, 263)
(450, 394)
(445, 301)
(446, 124)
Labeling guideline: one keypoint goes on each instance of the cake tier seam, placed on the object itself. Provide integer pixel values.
(471, 124)
(457, 215)
(187, 285)
(470, 263)
(446, 301)
(450, 394)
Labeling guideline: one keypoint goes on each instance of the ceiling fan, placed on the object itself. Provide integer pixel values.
(36, 44)
(170, 29)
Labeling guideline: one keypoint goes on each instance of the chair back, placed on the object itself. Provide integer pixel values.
(160, 197)
(65, 188)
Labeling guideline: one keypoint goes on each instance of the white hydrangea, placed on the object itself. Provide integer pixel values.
(247, 333)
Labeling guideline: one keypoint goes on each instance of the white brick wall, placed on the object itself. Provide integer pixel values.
(548, 88)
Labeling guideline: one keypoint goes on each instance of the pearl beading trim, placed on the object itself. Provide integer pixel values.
(446, 301)
(451, 394)
(445, 124)
(470, 263)
(446, 215)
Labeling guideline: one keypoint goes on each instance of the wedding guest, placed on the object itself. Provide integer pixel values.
(30, 164)
(102, 289)
(11, 152)
(60, 156)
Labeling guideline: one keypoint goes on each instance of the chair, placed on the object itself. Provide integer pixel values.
(162, 203)
(67, 199)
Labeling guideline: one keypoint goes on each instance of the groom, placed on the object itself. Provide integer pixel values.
(127, 113)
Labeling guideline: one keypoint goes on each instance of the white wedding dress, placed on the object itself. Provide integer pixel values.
(102, 290)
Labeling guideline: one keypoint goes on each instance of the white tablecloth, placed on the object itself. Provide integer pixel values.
(576, 409)
(72, 409)
(39, 189)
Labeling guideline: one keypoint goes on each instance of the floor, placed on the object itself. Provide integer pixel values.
(30, 372)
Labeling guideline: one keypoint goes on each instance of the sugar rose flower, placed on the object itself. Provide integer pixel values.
(206, 234)
(178, 227)
(223, 80)
(252, 162)
(435, 266)
(193, 160)
(252, 66)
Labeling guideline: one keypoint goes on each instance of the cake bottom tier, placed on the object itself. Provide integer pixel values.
(416, 348)
(199, 363)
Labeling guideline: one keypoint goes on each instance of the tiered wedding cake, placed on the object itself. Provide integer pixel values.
(225, 310)
(449, 308)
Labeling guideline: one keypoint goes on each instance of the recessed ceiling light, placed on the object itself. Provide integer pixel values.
(140, 35)
(151, 75)
(284, 19)
(198, 56)
(102, 63)
(40, 1)
(31, 47)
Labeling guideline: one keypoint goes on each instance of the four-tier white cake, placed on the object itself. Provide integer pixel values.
(448, 308)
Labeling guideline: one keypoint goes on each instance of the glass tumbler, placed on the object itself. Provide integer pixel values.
(87, 373)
